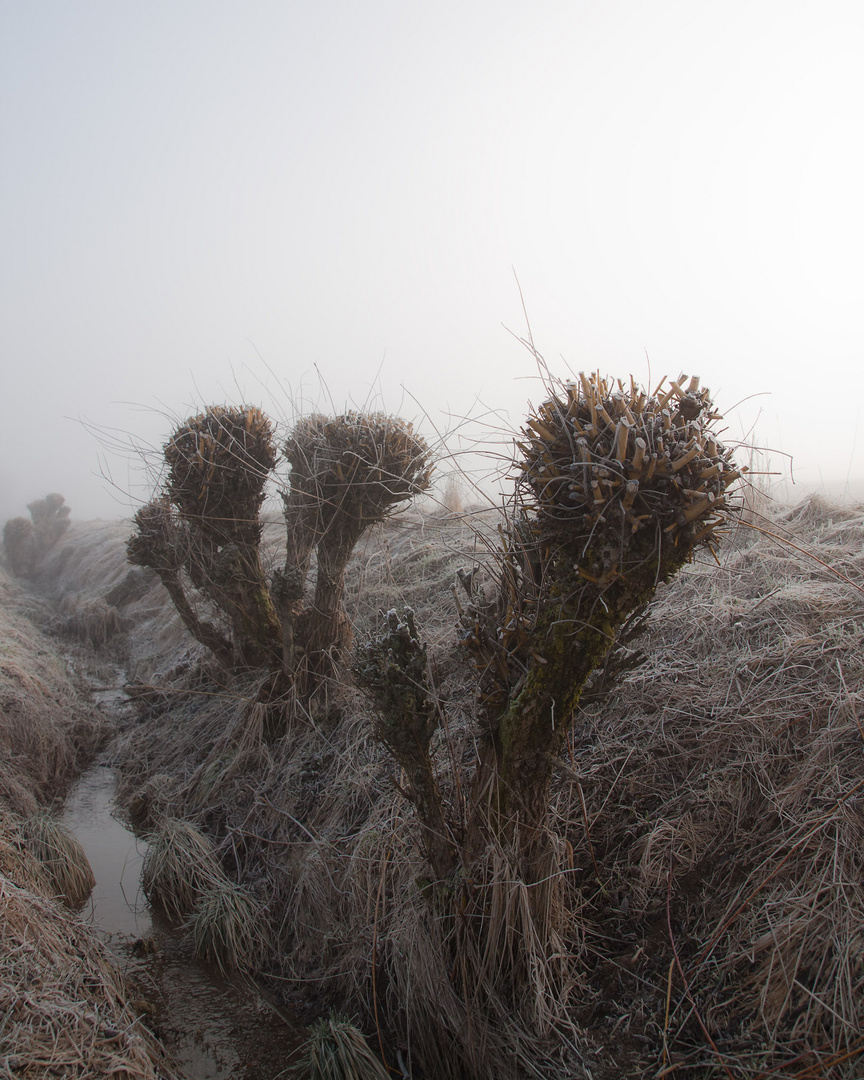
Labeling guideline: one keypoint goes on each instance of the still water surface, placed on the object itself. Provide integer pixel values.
(216, 1029)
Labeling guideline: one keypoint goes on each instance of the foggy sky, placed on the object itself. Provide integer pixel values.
(307, 204)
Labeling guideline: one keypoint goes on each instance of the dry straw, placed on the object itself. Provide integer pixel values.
(63, 1005)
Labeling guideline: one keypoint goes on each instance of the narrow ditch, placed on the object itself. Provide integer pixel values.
(215, 1028)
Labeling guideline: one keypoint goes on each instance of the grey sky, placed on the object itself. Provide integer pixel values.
(204, 201)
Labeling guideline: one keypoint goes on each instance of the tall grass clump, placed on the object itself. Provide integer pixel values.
(226, 926)
(61, 856)
(182, 874)
(180, 867)
(336, 1050)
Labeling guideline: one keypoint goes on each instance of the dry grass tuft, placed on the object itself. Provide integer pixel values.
(336, 1050)
(61, 855)
(17, 862)
(226, 927)
(180, 866)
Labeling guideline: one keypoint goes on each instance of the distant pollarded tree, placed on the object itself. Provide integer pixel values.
(27, 542)
(202, 533)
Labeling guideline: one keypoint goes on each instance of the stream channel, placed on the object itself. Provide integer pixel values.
(214, 1028)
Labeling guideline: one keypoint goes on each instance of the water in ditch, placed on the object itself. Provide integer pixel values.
(215, 1028)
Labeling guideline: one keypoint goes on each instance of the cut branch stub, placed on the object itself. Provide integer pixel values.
(596, 455)
(203, 532)
(356, 467)
(160, 540)
(347, 472)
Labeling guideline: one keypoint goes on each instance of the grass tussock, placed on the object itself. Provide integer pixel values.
(66, 868)
(225, 927)
(63, 1005)
(17, 862)
(180, 866)
(336, 1050)
(706, 823)
(183, 875)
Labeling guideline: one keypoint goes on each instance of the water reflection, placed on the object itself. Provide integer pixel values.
(117, 904)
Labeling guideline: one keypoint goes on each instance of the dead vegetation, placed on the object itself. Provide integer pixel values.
(63, 1007)
(47, 731)
(710, 810)
(706, 822)
(66, 870)
(183, 876)
(336, 1050)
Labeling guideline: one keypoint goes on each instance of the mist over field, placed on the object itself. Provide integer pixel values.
(312, 206)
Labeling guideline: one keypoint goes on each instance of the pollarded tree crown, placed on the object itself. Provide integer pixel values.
(218, 465)
(603, 457)
(360, 464)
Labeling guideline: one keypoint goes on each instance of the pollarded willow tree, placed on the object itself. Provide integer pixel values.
(347, 473)
(615, 489)
(28, 541)
(202, 533)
